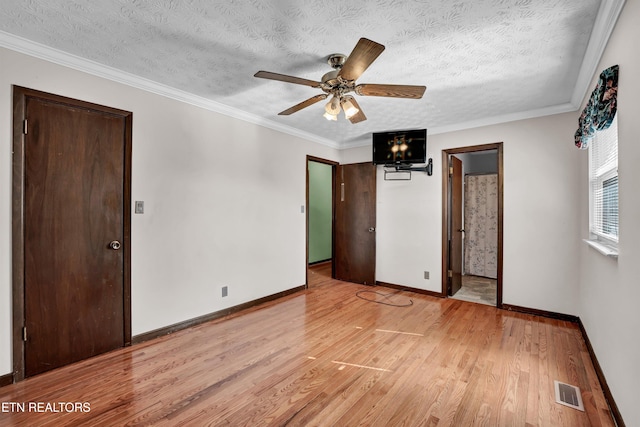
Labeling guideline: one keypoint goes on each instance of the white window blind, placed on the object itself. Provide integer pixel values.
(603, 178)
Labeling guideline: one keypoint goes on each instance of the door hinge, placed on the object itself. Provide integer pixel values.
(24, 333)
(24, 126)
(450, 273)
(450, 170)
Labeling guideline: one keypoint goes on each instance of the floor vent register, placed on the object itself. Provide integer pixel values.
(568, 395)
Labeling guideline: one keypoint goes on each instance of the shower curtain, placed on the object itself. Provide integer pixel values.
(481, 225)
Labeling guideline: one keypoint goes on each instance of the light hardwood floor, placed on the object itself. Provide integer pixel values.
(325, 357)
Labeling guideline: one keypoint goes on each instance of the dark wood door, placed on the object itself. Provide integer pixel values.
(355, 237)
(456, 225)
(74, 207)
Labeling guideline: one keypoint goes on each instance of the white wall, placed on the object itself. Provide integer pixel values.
(222, 200)
(609, 289)
(356, 155)
(541, 211)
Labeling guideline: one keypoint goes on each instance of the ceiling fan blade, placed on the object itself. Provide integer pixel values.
(363, 55)
(393, 91)
(303, 104)
(284, 78)
(359, 116)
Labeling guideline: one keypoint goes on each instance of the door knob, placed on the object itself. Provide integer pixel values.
(371, 229)
(115, 245)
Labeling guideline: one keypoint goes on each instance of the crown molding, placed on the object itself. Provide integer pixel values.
(487, 121)
(603, 27)
(40, 51)
(505, 118)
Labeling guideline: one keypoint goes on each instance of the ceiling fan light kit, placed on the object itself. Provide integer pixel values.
(329, 116)
(342, 80)
(347, 106)
(333, 106)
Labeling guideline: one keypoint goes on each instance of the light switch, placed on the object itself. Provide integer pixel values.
(139, 209)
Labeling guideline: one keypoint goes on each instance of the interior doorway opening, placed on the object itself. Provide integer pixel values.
(320, 214)
(349, 219)
(473, 224)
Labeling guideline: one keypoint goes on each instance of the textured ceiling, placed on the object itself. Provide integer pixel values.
(481, 60)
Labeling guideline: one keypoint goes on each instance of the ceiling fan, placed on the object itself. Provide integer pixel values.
(342, 81)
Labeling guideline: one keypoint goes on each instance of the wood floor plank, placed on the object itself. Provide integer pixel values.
(326, 356)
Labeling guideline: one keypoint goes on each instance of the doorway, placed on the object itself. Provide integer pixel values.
(353, 221)
(472, 242)
(71, 230)
(320, 209)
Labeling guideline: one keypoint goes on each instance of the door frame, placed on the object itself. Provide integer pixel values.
(18, 226)
(446, 211)
(333, 165)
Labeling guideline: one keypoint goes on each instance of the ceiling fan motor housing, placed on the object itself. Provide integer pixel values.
(331, 78)
(336, 61)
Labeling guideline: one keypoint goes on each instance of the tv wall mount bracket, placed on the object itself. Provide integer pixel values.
(403, 172)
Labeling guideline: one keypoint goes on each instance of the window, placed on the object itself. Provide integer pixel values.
(603, 178)
(610, 207)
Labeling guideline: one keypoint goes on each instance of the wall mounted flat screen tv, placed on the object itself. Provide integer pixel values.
(400, 147)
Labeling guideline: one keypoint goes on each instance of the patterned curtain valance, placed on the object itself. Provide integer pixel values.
(601, 108)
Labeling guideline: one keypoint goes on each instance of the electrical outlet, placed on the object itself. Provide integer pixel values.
(139, 207)
(426, 275)
(225, 291)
